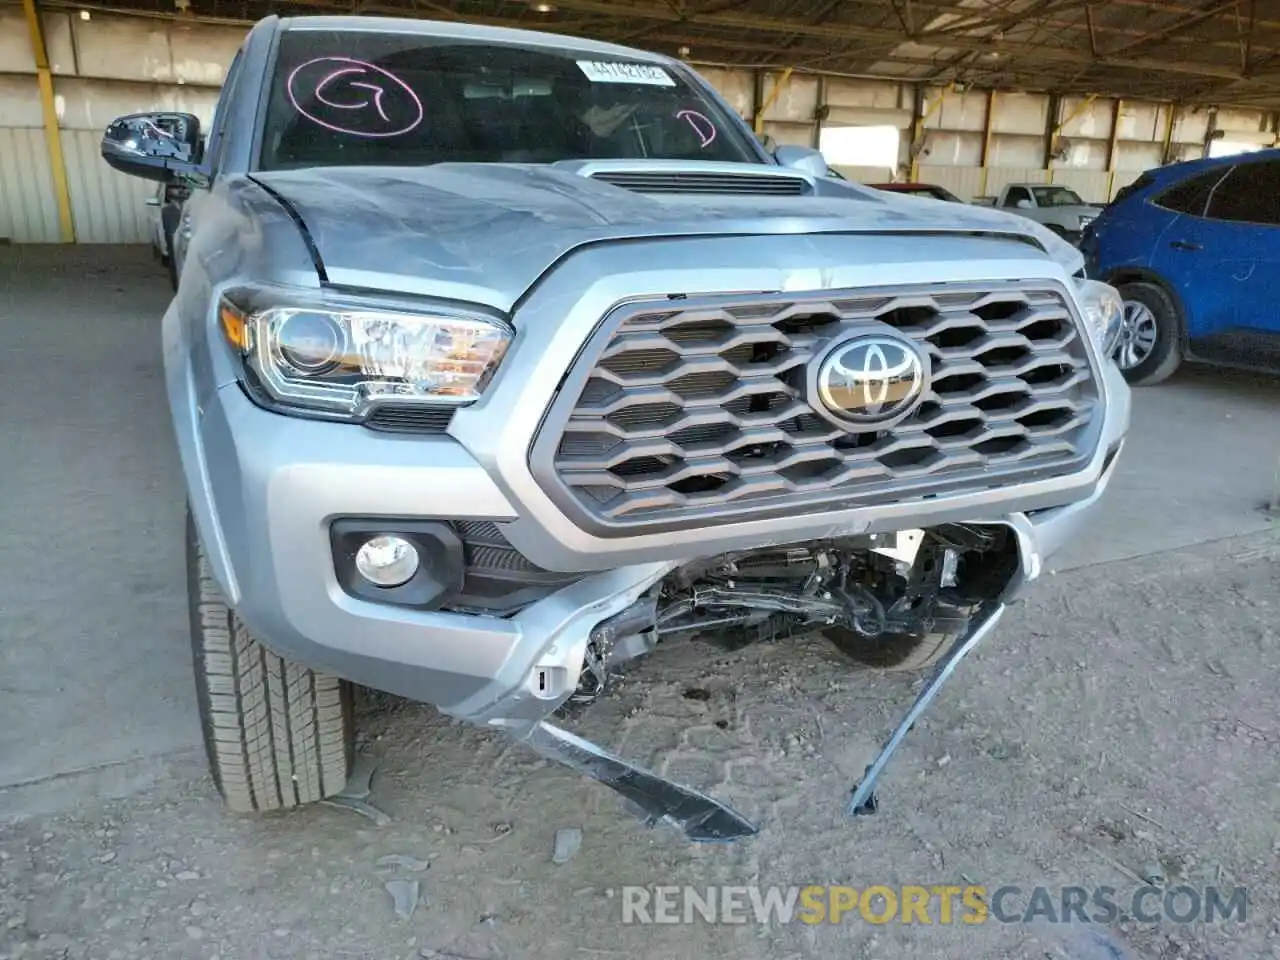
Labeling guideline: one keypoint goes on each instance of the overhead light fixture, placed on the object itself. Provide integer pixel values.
(544, 7)
(85, 15)
(684, 51)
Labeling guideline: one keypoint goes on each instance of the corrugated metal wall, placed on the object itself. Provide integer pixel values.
(107, 206)
(111, 64)
(103, 67)
(28, 211)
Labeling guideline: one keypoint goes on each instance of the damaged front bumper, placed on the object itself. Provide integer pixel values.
(703, 818)
(266, 492)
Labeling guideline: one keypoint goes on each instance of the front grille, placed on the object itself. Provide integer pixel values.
(722, 183)
(684, 413)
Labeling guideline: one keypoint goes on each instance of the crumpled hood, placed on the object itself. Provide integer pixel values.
(486, 232)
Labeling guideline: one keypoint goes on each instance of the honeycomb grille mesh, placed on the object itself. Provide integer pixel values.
(698, 413)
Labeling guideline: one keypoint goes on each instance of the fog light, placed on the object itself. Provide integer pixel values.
(387, 561)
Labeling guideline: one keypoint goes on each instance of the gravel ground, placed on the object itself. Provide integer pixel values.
(1121, 722)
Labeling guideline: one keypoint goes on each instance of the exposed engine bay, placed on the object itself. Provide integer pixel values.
(873, 596)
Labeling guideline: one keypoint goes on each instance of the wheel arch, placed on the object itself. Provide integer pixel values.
(1135, 274)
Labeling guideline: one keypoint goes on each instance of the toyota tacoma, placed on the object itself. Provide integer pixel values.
(498, 359)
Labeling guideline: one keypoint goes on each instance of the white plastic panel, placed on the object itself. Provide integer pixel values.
(1092, 121)
(948, 148)
(876, 94)
(958, 111)
(794, 102)
(1024, 113)
(1137, 157)
(1016, 151)
(734, 85)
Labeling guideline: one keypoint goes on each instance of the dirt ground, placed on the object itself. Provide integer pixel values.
(1122, 722)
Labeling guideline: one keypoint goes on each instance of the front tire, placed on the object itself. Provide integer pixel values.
(277, 734)
(1150, 347)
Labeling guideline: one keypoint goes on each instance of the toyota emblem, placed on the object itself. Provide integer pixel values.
(872, 379)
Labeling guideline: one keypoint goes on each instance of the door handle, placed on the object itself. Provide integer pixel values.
(1185, 245)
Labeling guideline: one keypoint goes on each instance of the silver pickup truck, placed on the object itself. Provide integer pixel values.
(1059, 208)
(499, 359)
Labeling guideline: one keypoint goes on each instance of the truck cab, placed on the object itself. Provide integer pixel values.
(1059, 208)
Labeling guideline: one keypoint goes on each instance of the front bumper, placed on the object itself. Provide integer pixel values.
(279, 483)
(265, 489)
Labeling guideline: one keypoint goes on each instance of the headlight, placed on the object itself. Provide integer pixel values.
(342, 359)
(1103, 312)
(1085, 221)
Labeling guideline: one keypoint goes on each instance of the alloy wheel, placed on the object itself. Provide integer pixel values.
(1138, 335)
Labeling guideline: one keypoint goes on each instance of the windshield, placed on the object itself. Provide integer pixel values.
(1056, 197)
(400, 99)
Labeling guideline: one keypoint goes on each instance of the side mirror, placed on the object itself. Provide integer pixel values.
(154, 146)
(805, 159)
(1023, 204)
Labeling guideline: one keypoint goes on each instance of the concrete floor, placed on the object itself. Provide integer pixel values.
(94, 666)
(96, 697)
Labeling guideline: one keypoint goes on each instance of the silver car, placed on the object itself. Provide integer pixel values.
(499, 359)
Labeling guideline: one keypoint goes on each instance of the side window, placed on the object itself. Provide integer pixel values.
(1190, 196)
(1016, 194)
(1141, 183)
(213, 148)
(1249, 194)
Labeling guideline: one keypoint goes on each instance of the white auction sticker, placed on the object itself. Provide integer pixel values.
(612, 71)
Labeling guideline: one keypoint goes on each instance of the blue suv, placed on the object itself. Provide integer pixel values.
(1194, 249)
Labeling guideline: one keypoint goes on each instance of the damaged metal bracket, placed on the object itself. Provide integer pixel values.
(863, 800)
(702, 818)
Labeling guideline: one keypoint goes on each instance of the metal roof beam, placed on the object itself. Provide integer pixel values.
(744, 21)
(1182, 26)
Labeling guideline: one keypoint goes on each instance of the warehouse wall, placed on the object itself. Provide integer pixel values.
(971, 143)
(102, 67)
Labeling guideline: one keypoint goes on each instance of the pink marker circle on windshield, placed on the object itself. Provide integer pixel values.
(702, 126)
(354, 97)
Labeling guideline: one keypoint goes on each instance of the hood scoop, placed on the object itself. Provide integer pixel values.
(675, 176)
(716, 183)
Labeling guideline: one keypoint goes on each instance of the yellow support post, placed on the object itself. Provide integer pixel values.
(772, 98)
(917, 127)
(1166, 144)
(1113, 146)
(52, 134)
(1081, 107)
(987, 125)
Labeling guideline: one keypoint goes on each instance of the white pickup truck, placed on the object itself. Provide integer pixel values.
(1059, 208)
